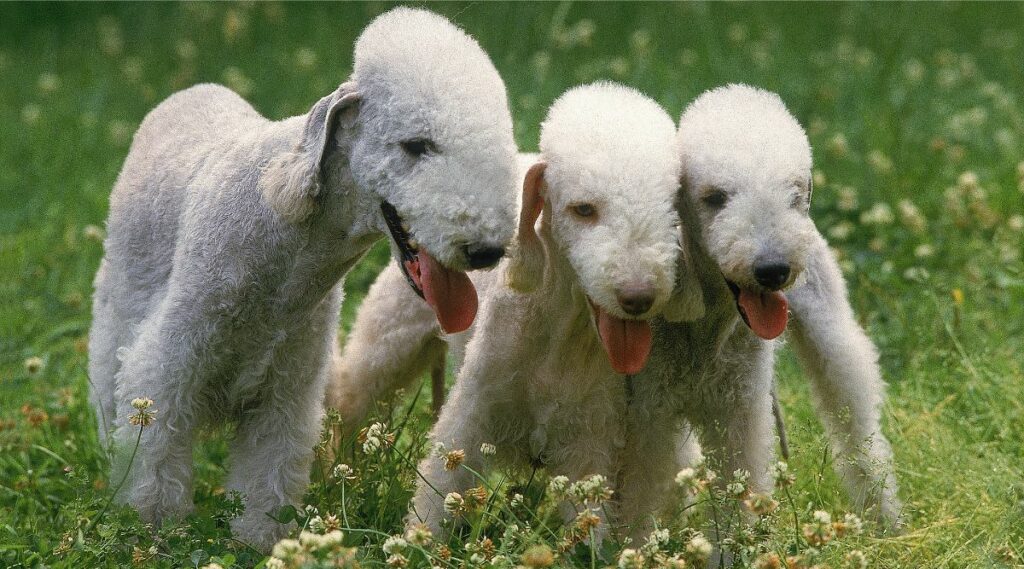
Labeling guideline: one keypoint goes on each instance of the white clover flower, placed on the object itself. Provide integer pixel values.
(487, 449)
(343, 472)
(686, 478)
(593, 489)
(924, 250)
(838, 145)
(34, 365)
(911, 216)
(142, 403)
(741, 475)
(454, 503)
(517, 500)
(394, 544)
(735, 489)
(630, 559)
(853, 524)
(856, 560)
(31, 113)
(699, 547)
(286, 548)
(305, 58)
(841, 231)
(1015, 222)
(317, 524)
(914, 70)
(879, 162)
(236, 79)
(879, 214)
(48, 82)
(93, 233)
(822, 517)
(847, 199)
(558, 486)
(274, 563)
(917, 274)
(438, 449)
(397, 560)
(374, 438)
(419, 535)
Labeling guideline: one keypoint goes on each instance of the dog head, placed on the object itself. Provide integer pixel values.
(424, 130)
(747, 176)
(606, 180)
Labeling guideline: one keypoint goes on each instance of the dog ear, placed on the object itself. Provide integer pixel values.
(292, 180)
(526, 267)
(687, 301)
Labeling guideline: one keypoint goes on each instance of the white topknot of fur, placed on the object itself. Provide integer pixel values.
(742, 128)
(593, 130)
(612, 147)
(412, 52)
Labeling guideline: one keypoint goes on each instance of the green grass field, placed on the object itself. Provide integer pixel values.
(915, 115)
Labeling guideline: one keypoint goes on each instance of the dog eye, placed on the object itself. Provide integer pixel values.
(418, 147)
(715, 199)
(583, 210)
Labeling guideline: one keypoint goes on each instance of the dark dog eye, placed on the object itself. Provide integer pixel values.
(715, 199)
(418, 147)
(583, 210)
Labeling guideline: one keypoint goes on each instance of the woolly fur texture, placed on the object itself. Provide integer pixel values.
(228, 235)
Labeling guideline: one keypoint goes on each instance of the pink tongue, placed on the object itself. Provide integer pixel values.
(450, 293)
(628, 342)
(767, 313)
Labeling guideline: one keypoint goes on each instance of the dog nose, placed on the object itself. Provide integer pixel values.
(772, 276)
(483, 256)
(635, 300)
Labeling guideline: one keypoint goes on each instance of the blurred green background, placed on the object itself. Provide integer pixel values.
(914, 112)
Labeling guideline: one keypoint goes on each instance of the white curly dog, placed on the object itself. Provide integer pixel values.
(571, 311)
(747, 172)
(218, 294)
(747, 189)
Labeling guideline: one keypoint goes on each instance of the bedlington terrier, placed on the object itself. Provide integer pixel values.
(570, 312)
(747, 180)
(228, 235)
(832, 348)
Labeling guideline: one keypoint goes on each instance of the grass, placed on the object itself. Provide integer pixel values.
(902, 102)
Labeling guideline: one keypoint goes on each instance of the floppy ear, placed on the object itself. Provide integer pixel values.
(292, 180)
(526, 267)
(687, 301)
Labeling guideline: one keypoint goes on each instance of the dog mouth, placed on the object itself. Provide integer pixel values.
(626, 342)
(449, 292)
(766, 313)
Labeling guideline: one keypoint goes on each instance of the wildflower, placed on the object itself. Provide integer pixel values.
(911, 217)
(640, 42)
(186, 49)
(286, 548)
(419, 535)
(841, 231)
(111, 40)
(452, 459)
(675, 562)
(119, 132)
(317, 524)
(397, 560)
(924, 250)
(454, 504)
(579, 34)
(784, 477)
(916, 274)
(769, 560)
(879, 162)
(93, 233)
(538, 556)
(331, 523)
(305, 58)
(879, 214)
(541, 62)
(914, 70)
(699, 547)
(394, 544)
(48, 82)
(1015, 222)
(234, 78)
(735, 489)
(592, 490)
(856, 560)
(558, 486)
(487, 449)
(838, 145)
(619, 67)
(761, 504)
(631, 559)
(847, 200)
(958, 296)
(235, 23)
(737, 32)
(483, 547)
(517, 500)
(374, 437)
(34, 365)
(145, 416)
(274, 563)
(688, 480)
(475, 498)
(819, 531)
(30, 114)
(849, 525)
(343, 472)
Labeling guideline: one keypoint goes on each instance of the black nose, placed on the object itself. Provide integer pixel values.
(635, 300)
(772, 276)
(483, 256)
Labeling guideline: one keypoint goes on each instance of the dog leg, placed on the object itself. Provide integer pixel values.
(393, 341)
(648, 466)
(847, 386)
